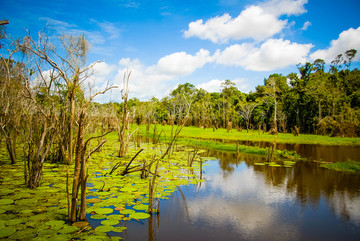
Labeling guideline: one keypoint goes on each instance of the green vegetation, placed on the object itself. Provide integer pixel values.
(222, 135)
(348, 166)
(115, 199)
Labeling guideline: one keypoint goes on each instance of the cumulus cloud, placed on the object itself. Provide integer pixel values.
(254, 22)
(306, 25)
(181, 63)
(214, 85)
(288, 7)
(210, 86)
(156, 80)
(272, 54)
(348, 39)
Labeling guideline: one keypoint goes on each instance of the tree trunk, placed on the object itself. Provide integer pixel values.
(35, 174)
(76, 181)
(83, 178)
(10, 146)
(71, 126)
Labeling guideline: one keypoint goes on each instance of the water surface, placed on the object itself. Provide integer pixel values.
(240, 201)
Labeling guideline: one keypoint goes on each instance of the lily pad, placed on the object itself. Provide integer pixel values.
(98, 216)
(109, 222)
(127, 211)
(55, 223)
(114, 217)
(128, 189)
(119, 229)
(104, 228)
(104, 210)
(7, 231)
(259, 164)
(80, 224)
(141, 207)
(93, 200)
(29, 233)
(139, 215)
(68, 229)
(6, 201)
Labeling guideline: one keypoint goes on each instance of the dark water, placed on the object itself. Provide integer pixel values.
(240, 201)
(315, 152)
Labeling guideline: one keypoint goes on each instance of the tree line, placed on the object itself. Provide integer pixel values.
(312, 101)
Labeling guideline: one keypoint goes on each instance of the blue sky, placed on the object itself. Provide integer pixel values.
(203, 42)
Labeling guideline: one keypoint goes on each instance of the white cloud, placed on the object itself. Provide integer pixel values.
(101, 73)
(348, 39)
(181, 63)
(252, 23)
(147, 81)
(215, 85)
(272, 54)
(143, 82)
(306, 25)
(288, 7)
(156, 80)
(211, 86)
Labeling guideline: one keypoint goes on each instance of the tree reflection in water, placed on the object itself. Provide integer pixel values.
(243, 201)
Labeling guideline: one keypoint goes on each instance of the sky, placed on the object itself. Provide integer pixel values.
(202, 42)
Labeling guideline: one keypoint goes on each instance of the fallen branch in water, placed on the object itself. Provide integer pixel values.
(117, 165)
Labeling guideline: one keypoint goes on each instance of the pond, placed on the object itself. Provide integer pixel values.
(243, 201)
(329, 153)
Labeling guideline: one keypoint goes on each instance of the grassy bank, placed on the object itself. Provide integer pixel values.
(191, 136)
(255, 136)
(348, 166)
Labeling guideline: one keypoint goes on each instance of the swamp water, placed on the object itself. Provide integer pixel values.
(315, 152)
(237, 200)
(243, 201)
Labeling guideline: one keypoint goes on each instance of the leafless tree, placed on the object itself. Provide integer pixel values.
(246, 112)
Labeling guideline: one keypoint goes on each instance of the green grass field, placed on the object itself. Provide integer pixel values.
(256, 136)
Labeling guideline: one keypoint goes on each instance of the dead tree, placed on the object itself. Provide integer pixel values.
(124, 120)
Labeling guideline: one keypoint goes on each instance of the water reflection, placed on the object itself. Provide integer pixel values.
(315, 152)
(240, 201)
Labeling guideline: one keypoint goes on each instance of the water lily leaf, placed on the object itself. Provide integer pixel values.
(104, 228)
(68, 229)
(93, 200)
(114, 217)
(7, 231)
(96, 238)
(6, 201)
(55, 223)
(14, 222)
(259, 164)
(80, 224)
(127, 211)
(98, 216)
(115, 238)
(109, 222)
(141, 207)
(119, 229)
(128, 189)
(288, 163)
(274, 165)
(29, 233)
(104, 210)
(25, 202)
(139, 215)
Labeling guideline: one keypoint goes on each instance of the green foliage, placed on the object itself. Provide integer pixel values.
(348, 166)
